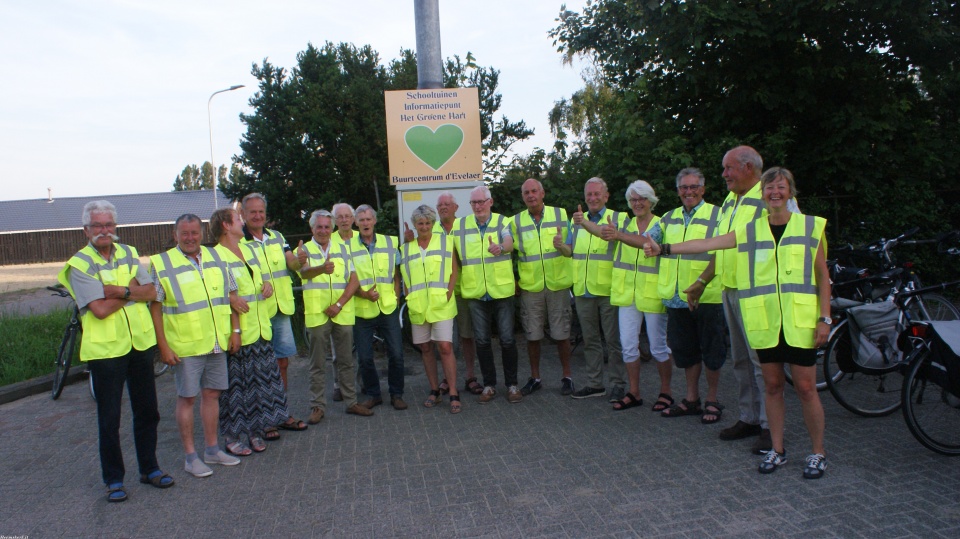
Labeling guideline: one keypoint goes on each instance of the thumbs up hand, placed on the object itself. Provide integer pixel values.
(608, 231)
(493, 248)
(301, 255)
(651, 248)
(578, 216)
(558, 239)
(407, 233)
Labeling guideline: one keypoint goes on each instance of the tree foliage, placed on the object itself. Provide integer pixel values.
(194, 178)
(858, 98)
(318, 132)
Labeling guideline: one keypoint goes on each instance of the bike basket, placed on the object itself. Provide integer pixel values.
(945, 354)
(873, 337)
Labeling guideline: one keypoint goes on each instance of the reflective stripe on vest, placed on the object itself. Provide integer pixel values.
(678, 272)
(274, 270)
(593, 258)
(375, 268)
(635, 276)
(325, 289)
(736, 212)
(195, 318)
(427, 297)
(481, 272)
(777, 283)
(539, 263)
(255, 323)
(128, 328)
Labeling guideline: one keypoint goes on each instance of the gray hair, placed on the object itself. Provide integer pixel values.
(186, 218)
(318, 214)
(598, 180)
(364, 208)
(423, 212)
(98, 206)
(540, 185)
(447, 194)
(691, 171)
(643, 189)
(253, 196)
(747, 155)
(482, 189)
(339, 205)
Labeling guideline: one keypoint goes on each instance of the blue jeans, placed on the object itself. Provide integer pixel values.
(109, 375)
(388, 327)
(484, 313)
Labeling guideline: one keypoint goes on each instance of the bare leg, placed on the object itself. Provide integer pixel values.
(665, 370)
(713, 383)
(533, 352)
(773, 379)
(805, 383)
(430, 365)
(449, 363)
(693, 381)
(209, 415)
(563, 348)
(184, 414)
(283, 362)
(633, 377)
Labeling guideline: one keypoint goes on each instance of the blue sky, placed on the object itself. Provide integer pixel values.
(105, 97)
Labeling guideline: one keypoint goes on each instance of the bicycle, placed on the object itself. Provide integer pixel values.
(930, 396)
(874, 391)
(69, 348)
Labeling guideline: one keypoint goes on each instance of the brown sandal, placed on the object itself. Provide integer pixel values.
(433, 399)
(471, 385)
(455, 406)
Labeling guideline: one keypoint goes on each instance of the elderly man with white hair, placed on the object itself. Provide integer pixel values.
(483, 244)
(112, 291)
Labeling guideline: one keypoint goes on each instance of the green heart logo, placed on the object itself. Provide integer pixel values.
(434, 148)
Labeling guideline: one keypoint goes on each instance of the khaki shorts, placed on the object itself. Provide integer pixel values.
(441, 331)
(464, 322)
(546, 305)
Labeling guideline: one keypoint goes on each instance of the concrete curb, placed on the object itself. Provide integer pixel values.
(40, 384)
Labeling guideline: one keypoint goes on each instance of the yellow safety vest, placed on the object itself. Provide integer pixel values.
(593, 258)
(678, 272)
(325, 289)
(734, 214)
(247, 273)
(426, 277)
(481, 272)
(274, 266)
(129, 327)
(635, 275)
(375, 268)
(777, 283)
(538, 261)
(196, 310)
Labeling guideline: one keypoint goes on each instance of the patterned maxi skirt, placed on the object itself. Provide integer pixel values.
(255, 398)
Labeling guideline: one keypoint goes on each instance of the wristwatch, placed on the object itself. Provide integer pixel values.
(826, 320)
(126, 292)
(339, 306)
(237, 330)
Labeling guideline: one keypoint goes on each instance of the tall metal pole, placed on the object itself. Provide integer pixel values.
(216, 202)
(429, 61)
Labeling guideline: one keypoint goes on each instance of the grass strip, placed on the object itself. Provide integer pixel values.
(29, 343)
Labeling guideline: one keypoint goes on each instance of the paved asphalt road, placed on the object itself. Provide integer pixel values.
(548, 467)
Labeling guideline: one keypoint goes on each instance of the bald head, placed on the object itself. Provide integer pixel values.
(532, 192)
(742, 167)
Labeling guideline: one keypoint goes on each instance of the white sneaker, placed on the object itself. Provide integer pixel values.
(220, 458)
(197, 468)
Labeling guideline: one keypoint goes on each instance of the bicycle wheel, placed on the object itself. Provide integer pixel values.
(932, 307)
(93, 392)
(64, 357)
(868, 395)
(931, 412)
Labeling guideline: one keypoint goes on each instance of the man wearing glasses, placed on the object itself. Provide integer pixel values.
(483, 244)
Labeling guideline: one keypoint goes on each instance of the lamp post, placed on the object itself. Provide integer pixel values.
(210, 126)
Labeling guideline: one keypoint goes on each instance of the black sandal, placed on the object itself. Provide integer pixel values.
(707, 405)
(664, 401)
(433, 399)
(684, 408)
(628, 401)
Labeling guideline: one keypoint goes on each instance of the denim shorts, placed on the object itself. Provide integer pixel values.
(283, 343)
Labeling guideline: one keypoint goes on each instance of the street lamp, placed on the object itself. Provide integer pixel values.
(210, 126)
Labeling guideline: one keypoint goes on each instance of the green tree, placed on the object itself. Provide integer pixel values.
(194, 178)
(858, 98)
(318, 132)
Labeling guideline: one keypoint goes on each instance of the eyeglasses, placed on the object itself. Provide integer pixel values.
(101, 226)
(636, 200)
(688, 187)
(479, 202)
